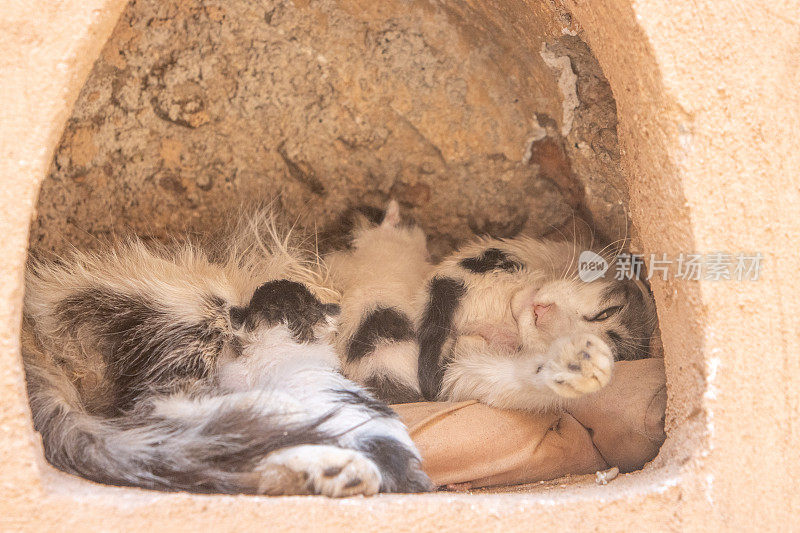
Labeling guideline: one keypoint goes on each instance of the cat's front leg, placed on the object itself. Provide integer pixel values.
(497, 375)
(577, 364)
(319, 469)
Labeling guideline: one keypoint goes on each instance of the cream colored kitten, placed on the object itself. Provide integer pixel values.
(380, 277)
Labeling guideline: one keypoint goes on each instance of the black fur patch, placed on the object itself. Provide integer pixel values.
(138, 342)
(391, 391)
(399, 467)
(374, 214)
(490, 260)
(238, 315)
(637, 318)
(444, 297)
(384, 323)
(339, 235)
(616, 343)
(283, 301)
(332, 309)
(367, 402)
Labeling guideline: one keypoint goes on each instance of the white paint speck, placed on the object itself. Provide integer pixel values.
(602, 477)
(712, 368)
(537, 134)
(567, 84)
(709, 490)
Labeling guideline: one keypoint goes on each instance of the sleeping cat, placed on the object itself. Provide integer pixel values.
(176, 369)
(503, 321)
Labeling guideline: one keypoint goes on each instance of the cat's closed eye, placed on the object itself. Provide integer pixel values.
(605, 314)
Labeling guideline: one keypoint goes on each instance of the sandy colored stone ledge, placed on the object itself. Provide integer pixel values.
(708, 123)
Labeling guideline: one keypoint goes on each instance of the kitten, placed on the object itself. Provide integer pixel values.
(175, 369)
(507, 321)
(379, 277)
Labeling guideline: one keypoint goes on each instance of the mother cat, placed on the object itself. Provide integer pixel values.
(176, 369)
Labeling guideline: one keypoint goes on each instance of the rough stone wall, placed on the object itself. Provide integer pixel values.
(196, 107)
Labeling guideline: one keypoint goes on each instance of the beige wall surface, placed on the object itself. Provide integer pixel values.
(708, 119)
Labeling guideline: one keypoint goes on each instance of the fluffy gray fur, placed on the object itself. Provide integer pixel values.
(177, 369)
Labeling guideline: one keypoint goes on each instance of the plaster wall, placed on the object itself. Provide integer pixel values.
(707, 123)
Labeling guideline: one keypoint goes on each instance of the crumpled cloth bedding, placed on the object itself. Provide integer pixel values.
(472, 445)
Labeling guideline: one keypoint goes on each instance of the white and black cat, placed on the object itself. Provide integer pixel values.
(175, 369)
(504, 321)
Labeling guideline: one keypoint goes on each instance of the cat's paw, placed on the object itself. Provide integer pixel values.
(329, 470)
(579, 364)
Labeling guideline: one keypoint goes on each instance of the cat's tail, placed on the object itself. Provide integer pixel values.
(198, 444)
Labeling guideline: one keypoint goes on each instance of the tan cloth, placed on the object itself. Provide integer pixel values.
(480, 446)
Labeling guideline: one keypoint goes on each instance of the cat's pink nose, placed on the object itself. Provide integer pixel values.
(539, 310)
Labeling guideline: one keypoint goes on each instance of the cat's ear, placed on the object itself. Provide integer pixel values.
(237, 315)
(391, 219)
(365, 217)
(331, 309)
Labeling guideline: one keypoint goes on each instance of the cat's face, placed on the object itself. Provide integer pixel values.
(621, 312)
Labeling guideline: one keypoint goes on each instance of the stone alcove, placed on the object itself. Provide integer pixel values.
(194, 108)
(666, 144)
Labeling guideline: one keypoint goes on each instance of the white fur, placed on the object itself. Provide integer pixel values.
(331, 471)
(395, 360)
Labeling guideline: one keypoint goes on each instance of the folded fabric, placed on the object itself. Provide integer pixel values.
(475, 445)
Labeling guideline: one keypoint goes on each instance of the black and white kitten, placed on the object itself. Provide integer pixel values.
(507, 322)
(173, 369)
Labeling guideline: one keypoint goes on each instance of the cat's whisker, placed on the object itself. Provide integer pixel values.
(573, 257)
